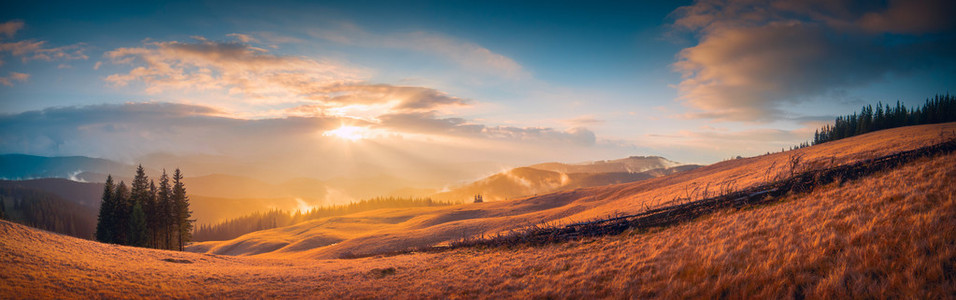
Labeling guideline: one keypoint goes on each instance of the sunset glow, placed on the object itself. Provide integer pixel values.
(350, 133)
(436, 149)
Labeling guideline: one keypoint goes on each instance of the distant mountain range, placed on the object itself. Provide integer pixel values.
(217, 197)
(551, 177)
(77, 168)
(633, 164)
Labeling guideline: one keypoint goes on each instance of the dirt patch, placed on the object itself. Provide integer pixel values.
(178, 261)
(379, 273)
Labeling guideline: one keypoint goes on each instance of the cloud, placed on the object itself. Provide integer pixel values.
(430, 123)
(468, 55)
(14, 76)
(10, 28)
(754, 57)
(404, 97)
(237, 68)
(256, 76)
(35, 50)
(443, 150)
(584, 120)
(127, 131)
(28, 50)
(245, 38)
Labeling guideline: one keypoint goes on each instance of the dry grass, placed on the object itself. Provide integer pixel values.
(889, 235)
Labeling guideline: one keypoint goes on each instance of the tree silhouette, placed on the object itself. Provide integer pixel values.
(181, 201)
(165, 211)
(106, 217)
(939, 109)
(145, 215)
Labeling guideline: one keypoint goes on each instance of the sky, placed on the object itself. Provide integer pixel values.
(449, 89)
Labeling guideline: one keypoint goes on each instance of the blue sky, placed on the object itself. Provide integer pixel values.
(696, 81)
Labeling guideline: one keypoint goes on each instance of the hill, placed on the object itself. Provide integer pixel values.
(389, 230)
(633, 164)
(20, 166)
(530, 181)
(891, 234)
(87, 194)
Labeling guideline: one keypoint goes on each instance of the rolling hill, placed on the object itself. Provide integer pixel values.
(389, 230)
(890, 234)
(633, 164)
(532, 180)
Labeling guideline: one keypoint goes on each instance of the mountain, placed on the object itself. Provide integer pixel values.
(633, 164)
(551, 177)
(20, 166)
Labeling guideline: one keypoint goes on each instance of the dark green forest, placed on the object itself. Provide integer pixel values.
(45, 210)
(278, 218)
(939, 109)
(144, 215)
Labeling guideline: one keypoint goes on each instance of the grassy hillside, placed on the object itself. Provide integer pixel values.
(390, 230)
(888, 235)
(531, 181)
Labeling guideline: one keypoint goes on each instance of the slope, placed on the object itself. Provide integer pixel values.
(889, 235)
(530, 181)
(633, 164)
(390, 230)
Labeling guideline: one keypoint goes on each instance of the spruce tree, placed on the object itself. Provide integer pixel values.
(105, 219)
(151, 209)
(120, 224)
(3, 210)
(165, 212)
(181, 201)
(139, 197)
(137, 226)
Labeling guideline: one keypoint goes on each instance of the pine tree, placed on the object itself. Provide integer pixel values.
(139, 194)
(107, 206)
(151, 209)
(137, 226)
(120, 224)
(165, 211)
(183, 223)
(3, 210)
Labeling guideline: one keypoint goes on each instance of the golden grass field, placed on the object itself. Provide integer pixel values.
(888, 235)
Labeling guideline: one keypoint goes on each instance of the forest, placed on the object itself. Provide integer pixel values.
(278, 218)
(45, 210)
(939, 109)
(144, 215)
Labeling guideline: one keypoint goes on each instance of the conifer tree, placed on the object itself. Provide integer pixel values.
(120, 223)
(181, 201)
(3, 210)
(139, 194)
(137, 226)
(106, 217)
(165, 211)
(151, 209)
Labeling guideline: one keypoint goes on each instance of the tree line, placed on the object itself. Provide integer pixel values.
(45, 210)
(236, 227)
(144, 215)
(939, 109)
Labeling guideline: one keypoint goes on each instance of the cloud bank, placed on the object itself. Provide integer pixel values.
(754, 57)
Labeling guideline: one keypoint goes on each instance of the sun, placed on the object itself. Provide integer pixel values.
(351, 133)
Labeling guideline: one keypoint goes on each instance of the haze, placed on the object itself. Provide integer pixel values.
(446, 92)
